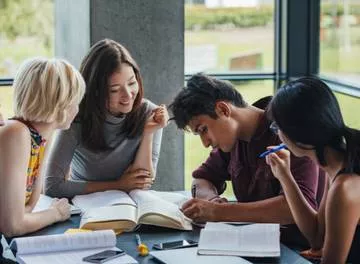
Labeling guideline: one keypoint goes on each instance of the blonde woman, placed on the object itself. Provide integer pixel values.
(46, 97)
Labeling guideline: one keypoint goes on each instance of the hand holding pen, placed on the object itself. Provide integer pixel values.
(272, 150)
(279, 161)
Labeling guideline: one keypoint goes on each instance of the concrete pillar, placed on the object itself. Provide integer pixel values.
(72, 29)
(153, 31)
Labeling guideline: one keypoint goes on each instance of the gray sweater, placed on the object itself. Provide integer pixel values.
(86, 165)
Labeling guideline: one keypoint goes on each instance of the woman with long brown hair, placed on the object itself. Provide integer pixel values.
(114, 142)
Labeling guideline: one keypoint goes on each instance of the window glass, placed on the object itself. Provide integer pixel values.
(229, 36)
(349, 108)
(196, 153)
(340, 40)
(6, 102)
(27, 30)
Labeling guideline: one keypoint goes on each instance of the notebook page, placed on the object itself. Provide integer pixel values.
(63, 242)
(71, 257)
(247, 240)
(259, 238)
(189, 255)
(45, 201)
(172, 197)
(102, 199)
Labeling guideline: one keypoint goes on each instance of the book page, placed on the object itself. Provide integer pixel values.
(253, 240)
(102, 199)
(64, 242)
(72, 257)
(148, 203)
(45, 201)
(171, 197)
(110, 217)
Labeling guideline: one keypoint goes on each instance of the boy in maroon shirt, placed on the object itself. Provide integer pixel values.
(238, 133)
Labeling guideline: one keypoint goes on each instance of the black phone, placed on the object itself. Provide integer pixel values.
(103, 256)
(175, 244)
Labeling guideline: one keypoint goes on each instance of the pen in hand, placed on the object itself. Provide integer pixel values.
(277, 148)
(193, 191)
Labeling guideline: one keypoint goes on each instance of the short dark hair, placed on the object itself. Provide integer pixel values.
(307, 111)
(103, 59)
(199, 97)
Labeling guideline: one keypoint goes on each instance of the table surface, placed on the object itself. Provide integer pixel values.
(151, 235)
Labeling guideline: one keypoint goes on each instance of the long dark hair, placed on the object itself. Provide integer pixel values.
(307, 112)
(104, 58)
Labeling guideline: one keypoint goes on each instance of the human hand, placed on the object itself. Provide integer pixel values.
(280, 163)
(61, 208)
(218, 199)
(312, 254)
(135, 179)
(200, 210)
(158, 119)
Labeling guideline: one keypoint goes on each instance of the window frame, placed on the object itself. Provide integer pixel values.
(289, 61)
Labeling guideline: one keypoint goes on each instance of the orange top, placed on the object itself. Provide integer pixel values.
(36, 157)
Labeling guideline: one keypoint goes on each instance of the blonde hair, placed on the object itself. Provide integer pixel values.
(45, 88)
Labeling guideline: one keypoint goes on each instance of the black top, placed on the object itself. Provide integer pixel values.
(354, 254)
(2, 259)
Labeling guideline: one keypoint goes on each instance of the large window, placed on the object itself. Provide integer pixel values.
(229, 36)
(196, 153)
(26, 30)
(350, 107)
(232, 38)
(6, 102)
(340, 40)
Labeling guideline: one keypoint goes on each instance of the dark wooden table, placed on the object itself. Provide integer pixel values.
(151, 235)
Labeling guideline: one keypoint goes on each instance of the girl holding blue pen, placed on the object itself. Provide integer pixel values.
(308, 119)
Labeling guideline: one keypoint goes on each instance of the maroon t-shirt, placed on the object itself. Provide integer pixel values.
(251, 177)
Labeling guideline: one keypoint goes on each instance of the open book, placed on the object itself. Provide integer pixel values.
(244, 239)
(45, 202)
(65, 248)
(121, 211)
(189, 255)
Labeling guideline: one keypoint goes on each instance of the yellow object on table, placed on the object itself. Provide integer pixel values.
(76, 230)
(141, 248)
(81, 230)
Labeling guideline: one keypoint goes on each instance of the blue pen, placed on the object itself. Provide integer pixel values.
(277, 148)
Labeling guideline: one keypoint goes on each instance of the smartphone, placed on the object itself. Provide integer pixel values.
(175, 244)
(104, 256)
